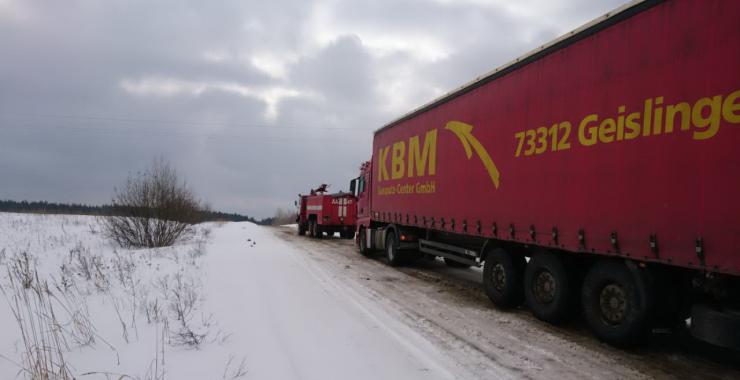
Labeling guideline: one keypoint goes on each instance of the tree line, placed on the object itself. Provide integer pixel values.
(44, 207)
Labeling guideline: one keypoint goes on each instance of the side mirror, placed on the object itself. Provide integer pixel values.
(295, 203)
(352, 185)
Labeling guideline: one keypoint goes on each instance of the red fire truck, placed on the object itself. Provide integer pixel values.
(319, 213)
(596, 174)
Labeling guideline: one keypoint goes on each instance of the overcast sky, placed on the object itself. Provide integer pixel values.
(252, 101)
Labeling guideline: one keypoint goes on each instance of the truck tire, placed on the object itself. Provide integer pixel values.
(547, 288)
(319, 230)
(312, 228)
(301, 229)
(391, 250)
(455, 264)
(362, 243)
(617, 302)
(503, 278)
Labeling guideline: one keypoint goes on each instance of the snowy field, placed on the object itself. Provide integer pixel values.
(234, 301)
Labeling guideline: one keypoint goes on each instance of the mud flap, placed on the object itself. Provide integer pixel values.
(718, 327)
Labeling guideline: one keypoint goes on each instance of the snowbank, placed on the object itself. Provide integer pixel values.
(234, 301)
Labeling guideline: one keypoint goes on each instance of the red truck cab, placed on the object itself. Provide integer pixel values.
(361, 188)
(319, 213)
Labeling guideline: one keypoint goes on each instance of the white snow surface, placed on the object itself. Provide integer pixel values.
(258, 300)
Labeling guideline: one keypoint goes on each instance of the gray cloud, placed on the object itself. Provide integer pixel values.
(252, 101)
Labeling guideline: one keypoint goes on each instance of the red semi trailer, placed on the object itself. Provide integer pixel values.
(597, 173)
(319, 213)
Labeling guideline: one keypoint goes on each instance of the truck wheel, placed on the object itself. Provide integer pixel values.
(301, 229)
(455, 264)
(503, 278)
(547, 288)
(391, 251)
(617, 301)
(362, 243)
(312, 228)
(319, 231)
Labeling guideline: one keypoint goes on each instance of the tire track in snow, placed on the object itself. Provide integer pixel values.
(456, 308)
(400, 332)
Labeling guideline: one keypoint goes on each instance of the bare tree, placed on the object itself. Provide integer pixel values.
(153, 209)
(283, 217)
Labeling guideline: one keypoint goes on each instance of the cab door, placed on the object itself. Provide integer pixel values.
(362, 191)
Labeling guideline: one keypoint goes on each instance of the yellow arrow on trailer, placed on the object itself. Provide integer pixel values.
(465, 133)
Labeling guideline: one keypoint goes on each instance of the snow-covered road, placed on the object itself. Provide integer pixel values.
(293, 322)
(448, 307)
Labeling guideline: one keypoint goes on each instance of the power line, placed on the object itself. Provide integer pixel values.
(86, 131)
(176, 122)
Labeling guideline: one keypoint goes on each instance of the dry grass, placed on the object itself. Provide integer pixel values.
(52, 314)
(234, 371)
(32, 306)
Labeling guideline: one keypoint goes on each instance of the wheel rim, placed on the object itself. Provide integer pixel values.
(545, 287)
(613, 304)
(498, 277)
